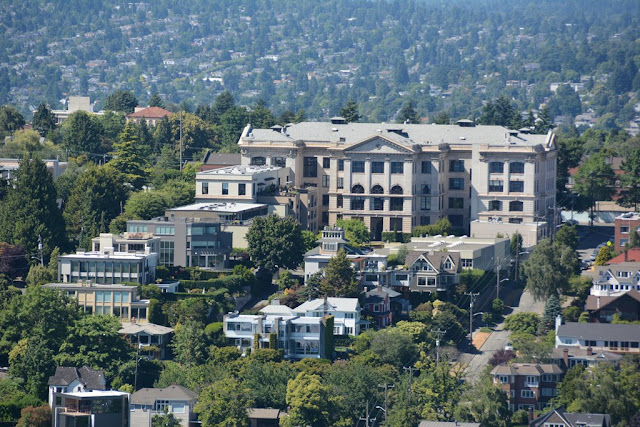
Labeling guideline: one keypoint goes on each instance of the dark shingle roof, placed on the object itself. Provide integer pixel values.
(600, 331)
(148, 396)
(65, 375)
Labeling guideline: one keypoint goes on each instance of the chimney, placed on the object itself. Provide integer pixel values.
(565, 357)
(558, 322)
(589, 351)
(626, 255)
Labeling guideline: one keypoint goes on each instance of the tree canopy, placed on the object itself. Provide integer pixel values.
(275, 242)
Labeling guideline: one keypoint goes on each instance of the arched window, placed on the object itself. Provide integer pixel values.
(516, 167)
(396, 189)
(357, 189)
(376, 189)
(515, 206)
(258, 161)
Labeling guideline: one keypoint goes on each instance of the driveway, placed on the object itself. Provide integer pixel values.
(520, 302)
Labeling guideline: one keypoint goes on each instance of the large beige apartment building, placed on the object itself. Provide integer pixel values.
(485, 179)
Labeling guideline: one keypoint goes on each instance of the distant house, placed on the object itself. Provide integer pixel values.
(560, 418)
(384, 305)
(152, 115)
(152, 339)
(616, 279)
(176, 399)
(602, 309)
(618, 338)
(568, 357)
(91, 408)
(264, 417)
(346, 313)
(425, 423)
(214, 160)
(70, 379)
(528, 385)
(434, 271)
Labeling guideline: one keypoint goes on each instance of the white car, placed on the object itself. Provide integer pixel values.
(508, 347)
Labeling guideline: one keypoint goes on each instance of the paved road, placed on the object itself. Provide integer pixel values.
(500, 337)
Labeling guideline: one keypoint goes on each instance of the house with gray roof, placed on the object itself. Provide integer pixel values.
(425, 423)
(616, 338)
(559, 417)
(69, 379)
(568, 357)
(528, 385)
(176, 399)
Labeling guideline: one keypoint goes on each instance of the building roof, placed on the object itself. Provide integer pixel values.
(107, 256)
(214, 158)
(334, 304)
(596, 303)
(96, 394)
(405, 134)
(631, 255)
(600, 331)
(526, 369)
(574, 419)
(436, 259)
(277, 309)
(265, 413)
(92, 286)
(219, 207)
(90, 378)
(148, 396)
(582, 354)
(151, 113)
(147, 328)
(425, 423)
(239, 170)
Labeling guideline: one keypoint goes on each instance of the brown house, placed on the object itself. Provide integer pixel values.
(152, 115)
(602, 309)
(528, 385)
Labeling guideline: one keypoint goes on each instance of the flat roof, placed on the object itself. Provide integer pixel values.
(93, 286)
(102, 255)
(96, 393)
(600, 331)
(221, 207)
(240, 170)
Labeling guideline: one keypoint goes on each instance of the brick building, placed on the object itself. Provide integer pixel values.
(528, 385)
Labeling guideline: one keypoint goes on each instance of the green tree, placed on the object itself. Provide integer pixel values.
(81, 133)
(146, 205)
(156, 101)
(266, 382)
(189, 343)
(261, 116)
(166, 419)
(437, 390)
(128, 157)
(95, 200)
(567, 235)
(408, 114)
(223, 403)
(394, 347)
(310, 240)
(309, 402)
(604, 255)
(552, 309)
(544, 123)
(549, 268)
(95, 341)
(39, 275)
(30, 209)
(630, 180)
(340, 278)
(35, 416)
(522, 323)
(350, 111)
(275, 243)
(10, 119)
(500, 113)
(43, 119)
(355, 231)
(121, 100)
(594, 180)
(484, 403)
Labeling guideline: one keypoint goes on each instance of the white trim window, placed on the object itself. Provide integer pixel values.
(527, 394)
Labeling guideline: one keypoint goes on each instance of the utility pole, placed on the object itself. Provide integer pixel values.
(471, 301)
(40, 250)
(517, 257)
(386, 391)
(439, 335)
(366, 418)
(410, 369)
(498, 278)
(180, 140)
(135, 377)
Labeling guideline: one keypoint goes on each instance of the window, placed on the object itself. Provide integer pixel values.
(425, 203)
(376, 189)
(456, 203)
(456, 183)
(467, 263)
(624, 229)
(527, 394)
(531, 381)
(357, 189)
(310, 167)
(456, 165)
(547, 378)
(278, 161)
(396, 189)
(395, 224)
(325, 181)
(549, 392)
(425, 189)
(448, 265)
(496, 167)
(504, 379)
(516, 167)
(340, 165)
(357, 203)
(339, 200)
(325, 200)
(242, 189)
(516, 186)
(357, 166)
(340, 183)
(422, 281)
(426, 167)
(495, 205)
(165, 231)
(515, 220)
(225, 188)
(178, 408)
(137, 229)
(456, 220)
(495, 185)
(623, 274)
(425, 220)
(515, 206)
(377, 204)
(205, 188)
(397, 167)
(326, 162)
(377, 167)
(258, 161)
(396, 203)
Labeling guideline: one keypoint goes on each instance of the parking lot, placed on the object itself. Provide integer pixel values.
(591, 239)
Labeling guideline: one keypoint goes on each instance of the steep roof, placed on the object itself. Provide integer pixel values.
(148, 396)
(435, 258)
(600, 331)
(90, 378)
(592, 300)
(573, 419)
(150, 112)
(632, 255)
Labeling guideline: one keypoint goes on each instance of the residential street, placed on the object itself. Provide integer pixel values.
(499, 338)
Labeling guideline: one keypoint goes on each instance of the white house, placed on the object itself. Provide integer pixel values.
(346, 313)
(71, 380)
(147, 402)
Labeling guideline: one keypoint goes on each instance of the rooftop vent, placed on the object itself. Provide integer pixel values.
(337, 120)
(465, 123)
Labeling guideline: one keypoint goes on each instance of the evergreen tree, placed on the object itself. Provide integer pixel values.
(408, 114)
(156, 101)
(552, 309)
(10, 119)
(43, 120)
(128, 157)
(545, 122)
(30, 209)
(81, 133)
(275, 243)
(630, 180)
(350, 111)
(340, 277)
(121, 100)
(261, 117)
